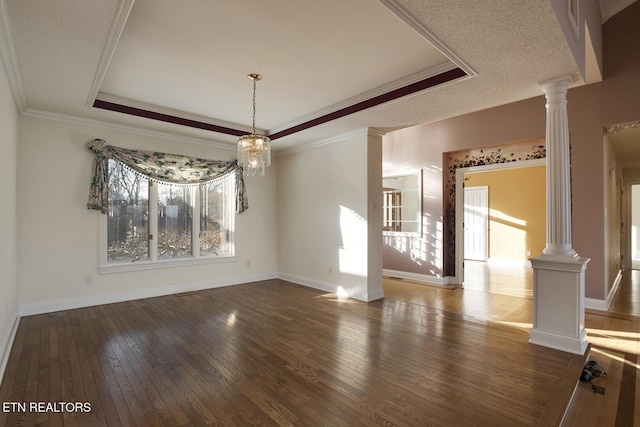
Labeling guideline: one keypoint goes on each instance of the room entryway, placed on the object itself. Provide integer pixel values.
(501, 226)
(635, 226)
(515, 281)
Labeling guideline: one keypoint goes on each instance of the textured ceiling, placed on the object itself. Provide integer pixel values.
(190, 59)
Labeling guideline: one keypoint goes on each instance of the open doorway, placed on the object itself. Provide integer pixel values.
(495, 247)
(635, 227)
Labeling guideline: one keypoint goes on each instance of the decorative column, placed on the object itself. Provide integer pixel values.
(558, 274)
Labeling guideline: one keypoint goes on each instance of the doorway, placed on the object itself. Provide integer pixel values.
(515, 227)
(635, 227)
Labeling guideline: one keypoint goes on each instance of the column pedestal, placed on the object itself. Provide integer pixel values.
(558, 274)
(558, 304)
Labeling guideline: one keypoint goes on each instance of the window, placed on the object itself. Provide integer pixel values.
(402, 204)
(392, 213)
(151, 224)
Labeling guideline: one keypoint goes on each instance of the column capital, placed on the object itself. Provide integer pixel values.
(561, 82)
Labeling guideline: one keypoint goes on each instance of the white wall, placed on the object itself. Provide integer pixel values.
(8, 219)
(325, 205)
(59, 237)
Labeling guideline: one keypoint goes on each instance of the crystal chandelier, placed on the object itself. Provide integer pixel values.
(254, 151)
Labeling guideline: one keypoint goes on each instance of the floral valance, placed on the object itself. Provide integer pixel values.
(161, 167)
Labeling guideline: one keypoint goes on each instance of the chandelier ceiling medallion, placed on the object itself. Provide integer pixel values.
(254, 151)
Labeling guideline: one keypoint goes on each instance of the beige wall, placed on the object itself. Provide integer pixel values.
(326, 198)
(517, 211)
(59, 238)
(8, 218)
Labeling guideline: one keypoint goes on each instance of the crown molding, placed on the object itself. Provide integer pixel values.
(124, 106)
(455, 74)
(329, 141)
(613, 129)
(117, 27)
(362, 97)
(9, 58)
(411, 21)
(172, 116)
(48, 115)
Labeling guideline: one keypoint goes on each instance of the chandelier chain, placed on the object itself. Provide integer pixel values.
(254, 106)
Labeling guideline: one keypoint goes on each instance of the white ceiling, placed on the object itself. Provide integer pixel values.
(190, 59)
(348, 49)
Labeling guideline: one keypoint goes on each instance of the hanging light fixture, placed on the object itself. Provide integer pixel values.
(254, 151)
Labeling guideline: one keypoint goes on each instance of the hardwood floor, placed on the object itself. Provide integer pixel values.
(274, 353)
(615, 344)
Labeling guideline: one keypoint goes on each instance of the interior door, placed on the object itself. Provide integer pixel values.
(476, 223)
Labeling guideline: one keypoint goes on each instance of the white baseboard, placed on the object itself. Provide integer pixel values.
(331, 288)
(432, 280)
(604, 304)
(569, 344)
(6, 343)
(99, 299)
(596, 304)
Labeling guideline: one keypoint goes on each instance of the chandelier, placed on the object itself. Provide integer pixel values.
(254, 151)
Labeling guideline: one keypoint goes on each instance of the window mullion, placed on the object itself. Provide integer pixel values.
(231, 213)
(195, 224)
(153, 221)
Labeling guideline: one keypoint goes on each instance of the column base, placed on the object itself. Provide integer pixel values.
(564, 343)
(558, 302)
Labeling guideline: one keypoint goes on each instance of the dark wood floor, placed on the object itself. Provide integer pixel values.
(274, 353)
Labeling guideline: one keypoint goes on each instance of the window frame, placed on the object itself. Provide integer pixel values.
(395, 216)
(153, 262)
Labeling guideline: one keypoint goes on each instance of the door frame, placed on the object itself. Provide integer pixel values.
(459, 242)
(630, 177)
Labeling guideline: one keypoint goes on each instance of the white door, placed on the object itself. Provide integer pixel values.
(476, 222)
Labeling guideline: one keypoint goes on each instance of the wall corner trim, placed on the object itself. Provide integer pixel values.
(6, 344)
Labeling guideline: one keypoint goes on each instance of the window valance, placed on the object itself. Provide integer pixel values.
(161, 167)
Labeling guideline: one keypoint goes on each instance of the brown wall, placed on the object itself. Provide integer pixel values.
(423, 147)
(614, 100)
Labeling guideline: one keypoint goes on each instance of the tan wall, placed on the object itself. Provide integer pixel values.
(517, 211)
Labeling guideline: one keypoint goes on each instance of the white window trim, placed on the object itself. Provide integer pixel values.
(153, 262)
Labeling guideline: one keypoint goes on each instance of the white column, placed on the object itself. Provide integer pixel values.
(558, 274)
(558, 172)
